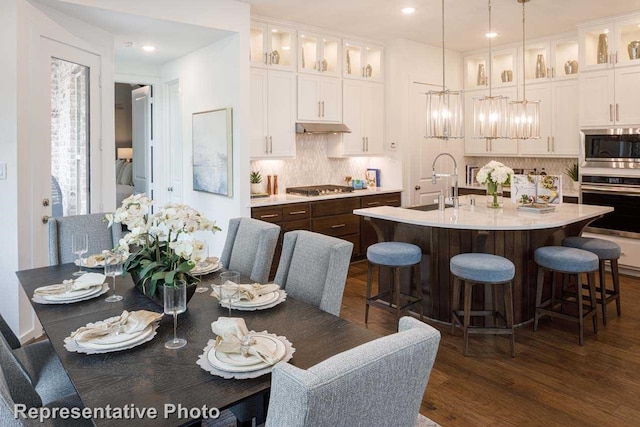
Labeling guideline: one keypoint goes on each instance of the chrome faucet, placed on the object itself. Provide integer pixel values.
(435, 176)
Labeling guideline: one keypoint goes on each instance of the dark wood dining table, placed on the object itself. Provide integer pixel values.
(151, 375)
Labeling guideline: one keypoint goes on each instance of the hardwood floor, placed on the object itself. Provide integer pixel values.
(552, 381)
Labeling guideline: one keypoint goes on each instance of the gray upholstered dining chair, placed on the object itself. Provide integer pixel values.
(17, 387)
(313, 268)
(61, 229)
(249, 247)
(380, 383)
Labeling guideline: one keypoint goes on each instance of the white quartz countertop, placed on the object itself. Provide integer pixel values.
(565, 192)
(281, 199)
(480, 217)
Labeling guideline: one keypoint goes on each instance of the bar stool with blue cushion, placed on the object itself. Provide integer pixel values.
(482, 269)
(395, 255)
(606, 250)
(567, 261)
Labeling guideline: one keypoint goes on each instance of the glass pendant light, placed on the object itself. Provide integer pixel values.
(524, 116)
(445, 108)
(490, 113)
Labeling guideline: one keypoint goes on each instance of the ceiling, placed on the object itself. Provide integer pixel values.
(466, 21)
(172, 39)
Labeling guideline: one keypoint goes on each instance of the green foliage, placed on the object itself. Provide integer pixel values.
(255, 177)
(572, 171)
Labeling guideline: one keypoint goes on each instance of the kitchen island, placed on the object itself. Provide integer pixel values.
(506, 232)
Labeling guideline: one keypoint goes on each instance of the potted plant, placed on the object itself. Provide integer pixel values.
(160, 247)
(256, 182)
(572, 172)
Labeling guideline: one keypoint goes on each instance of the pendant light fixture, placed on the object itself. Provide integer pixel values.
(445, 107)
(490, 113)
(524, 116)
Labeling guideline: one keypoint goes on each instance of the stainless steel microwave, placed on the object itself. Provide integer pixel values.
(611, 148)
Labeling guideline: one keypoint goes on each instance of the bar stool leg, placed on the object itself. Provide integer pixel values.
(396, 286)
(616, 282)
(538, 297)
(418, 282)
(603, 290)
(366, 310)
(591, 280)
(455, 302)
(468, 287)
(508, 309)
(580, 309)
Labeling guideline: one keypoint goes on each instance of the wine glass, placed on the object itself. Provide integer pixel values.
(113, 266)
(175, 302)
(229, 292)
(202, 264)
(79, 246)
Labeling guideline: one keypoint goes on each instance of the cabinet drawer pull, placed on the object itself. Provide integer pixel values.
(322, 108)
(392, 202)
(338, 225)
(373, 203)
(319, 111)
(617, 111)
(297, 212)
(610, 112)
(269, 216)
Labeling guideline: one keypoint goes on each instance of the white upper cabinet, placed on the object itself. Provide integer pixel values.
(319, 99)
(273, 107)
(503, 69)
(362, 61)
(272, 46)
(551, 60)
(627, 102)
(596, 98)
(319, 54)
(610, 44)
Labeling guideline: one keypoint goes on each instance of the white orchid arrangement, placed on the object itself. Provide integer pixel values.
(494, 173)
(164, 247)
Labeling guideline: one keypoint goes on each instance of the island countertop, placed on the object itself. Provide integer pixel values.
(480, 217)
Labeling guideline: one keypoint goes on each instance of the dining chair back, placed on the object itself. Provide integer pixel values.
(250, 247)
(7, 404)
(62, 229)
(313, 268)
(380, 383)
(18, 383)
(8, 334)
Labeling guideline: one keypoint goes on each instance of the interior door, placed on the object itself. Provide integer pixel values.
(174, 119)
(423, 152)
(142, 136)
(66, 129)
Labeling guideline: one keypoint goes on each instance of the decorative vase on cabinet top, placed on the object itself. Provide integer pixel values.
(541, 68)
(571, 67)
(603, 49)
(634, 49)
(506, 76)
(482, 77)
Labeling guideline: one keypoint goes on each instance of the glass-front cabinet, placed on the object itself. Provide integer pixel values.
(362, 61)
(503, 69)
(272, 46)
(612, 43)
(551, 60)
(319, 54)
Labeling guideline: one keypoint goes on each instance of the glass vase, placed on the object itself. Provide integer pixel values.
(494, 195)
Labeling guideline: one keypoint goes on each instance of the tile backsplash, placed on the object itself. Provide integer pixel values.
(553, 166)
(311, 165)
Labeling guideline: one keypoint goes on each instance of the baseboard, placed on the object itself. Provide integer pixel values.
(31, 335)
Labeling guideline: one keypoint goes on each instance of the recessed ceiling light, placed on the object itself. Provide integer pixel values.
(606, 31)
(286, 47)
(275, 30)
(148, 48)
(408, 10)
(491, 35)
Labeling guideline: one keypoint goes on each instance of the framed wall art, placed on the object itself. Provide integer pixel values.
(213, 151)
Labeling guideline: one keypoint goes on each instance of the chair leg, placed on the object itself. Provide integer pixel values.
(508, 309)
(418, 282)
(468, 287)
(396, 287)
(591, 280)
(369, 276)
(603, 290)
(616, 282)
(494, 297)
(539, 286)
(580, 309)
(455, 302)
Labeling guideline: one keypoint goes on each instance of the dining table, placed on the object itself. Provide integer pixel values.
(152, 376)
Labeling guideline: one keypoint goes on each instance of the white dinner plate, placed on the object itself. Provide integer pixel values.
(238, 363)
(72, 295)
(212, 265)
(258, 301)
(98, 266)
(114, 342)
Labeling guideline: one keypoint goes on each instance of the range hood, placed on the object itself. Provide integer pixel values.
(322, 128)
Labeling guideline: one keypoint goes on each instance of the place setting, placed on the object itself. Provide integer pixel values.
(85, 287)
(128, 330)
(246, 297)
(240, 353)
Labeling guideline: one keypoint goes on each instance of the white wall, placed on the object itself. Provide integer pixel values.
(209, 80)
(405, 62)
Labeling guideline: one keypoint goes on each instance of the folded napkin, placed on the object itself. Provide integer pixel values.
(127, 323)
(94, 260)
(235, 338)
(86, 281)
(248, 292)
